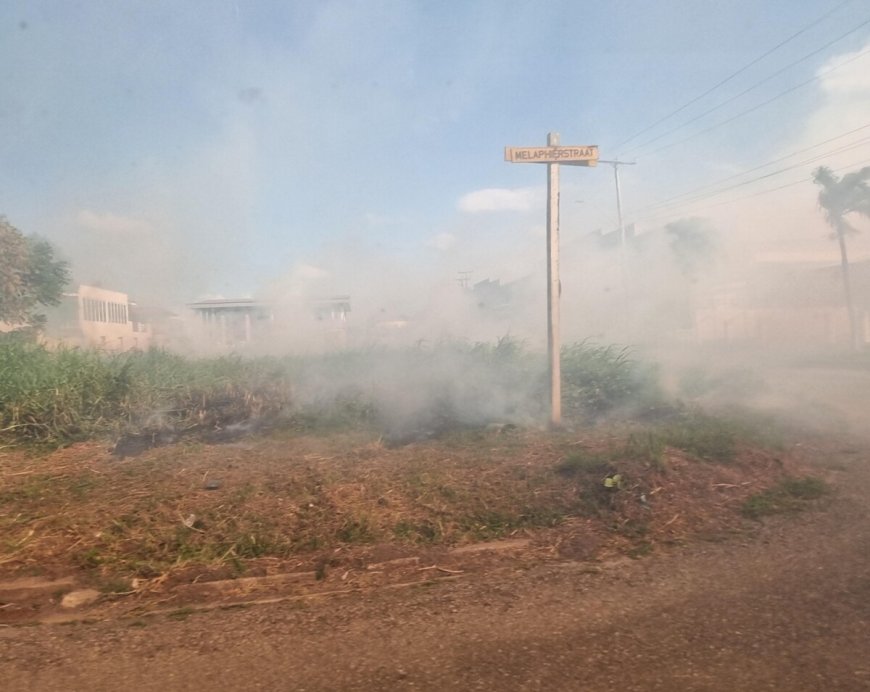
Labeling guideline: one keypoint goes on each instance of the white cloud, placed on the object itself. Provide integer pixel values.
(113, 224)
(442, 242)
(502, 199)
(847, 73)
(376, 220)
(309, 271)
(792, 223)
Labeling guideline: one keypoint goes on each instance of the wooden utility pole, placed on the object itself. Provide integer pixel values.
(554, 288)
(553, 155)
(616, 164)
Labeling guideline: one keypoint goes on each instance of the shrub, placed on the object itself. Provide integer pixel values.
(597, 380)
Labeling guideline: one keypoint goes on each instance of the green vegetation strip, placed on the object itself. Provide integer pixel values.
(790, 495)
(57, 396)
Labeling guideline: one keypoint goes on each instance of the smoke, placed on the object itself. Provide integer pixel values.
(362, 157)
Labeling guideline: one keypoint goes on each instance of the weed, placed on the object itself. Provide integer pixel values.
(447, 492)
(89, 559)
(417, 531)
(489, 524)
(356, 530)
(733, 384)
(585, 463)
(640, 550)
(806, 488)
(789, 495)
(70, 394)
(599, 379)
(251, 545)
(115, 586)
(320, 569)
(648, 447)
(181, 613)
(703, 436)
(150, 398)
(632, 528)
(81, 486)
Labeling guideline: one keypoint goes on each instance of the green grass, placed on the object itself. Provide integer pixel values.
(646, 446)
(417, 531)
(181, 613)
(65, 395)
(790, 495)
(583, 463)
(598, 380)
(55, 397)
(709, 438)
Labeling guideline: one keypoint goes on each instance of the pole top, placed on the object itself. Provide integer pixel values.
(552, 139)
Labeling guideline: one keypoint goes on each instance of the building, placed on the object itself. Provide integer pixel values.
(787, 304)
(247, 324)
(94, 317)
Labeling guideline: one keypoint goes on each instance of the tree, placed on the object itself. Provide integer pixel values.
(30, 276)
(838, 198)
(693, 244)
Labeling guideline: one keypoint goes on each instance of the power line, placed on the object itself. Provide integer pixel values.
(796, 182)
(750, 196)
(671, 201)
(805, 162)
(756, 168)
(735, 74)
(750, 88)
(762, 104)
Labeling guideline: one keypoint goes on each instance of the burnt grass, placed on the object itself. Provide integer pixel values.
(291, 499)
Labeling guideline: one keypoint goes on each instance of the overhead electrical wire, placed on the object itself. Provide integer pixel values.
(796, 182)
(813, 159)
(689, 193)
(762, 104)
(662, 215)
(749, 88)
(734, 74)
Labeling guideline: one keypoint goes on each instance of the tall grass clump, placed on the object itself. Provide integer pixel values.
(62, 395)
(167, 388)
(597, 380)
(56, 396)
(66, 394)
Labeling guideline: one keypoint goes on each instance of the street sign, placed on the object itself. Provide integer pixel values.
(570, 156)
(554, 156)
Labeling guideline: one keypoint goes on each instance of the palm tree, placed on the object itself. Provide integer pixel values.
(838, 198)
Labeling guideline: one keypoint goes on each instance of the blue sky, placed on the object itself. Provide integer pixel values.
(190, 148)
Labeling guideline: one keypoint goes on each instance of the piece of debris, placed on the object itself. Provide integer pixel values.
(437, 568)
(191, 522)
(212, 484)
(77, 599)
(397, 562)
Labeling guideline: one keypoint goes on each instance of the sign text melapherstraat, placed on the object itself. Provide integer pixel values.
(576, 155)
